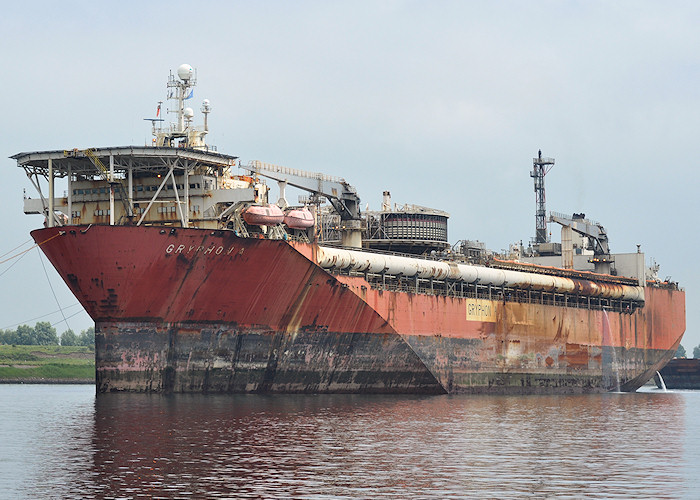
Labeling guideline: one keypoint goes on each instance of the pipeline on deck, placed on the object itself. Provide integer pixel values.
(460, 289)
(394, 265)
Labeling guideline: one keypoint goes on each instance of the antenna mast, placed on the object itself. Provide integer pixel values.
(183, 133)
(540, 167)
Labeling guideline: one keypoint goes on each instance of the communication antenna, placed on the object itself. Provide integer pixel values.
(540, 167)
(181, 89)
(155, 120)
(206, 109)
(183, 133)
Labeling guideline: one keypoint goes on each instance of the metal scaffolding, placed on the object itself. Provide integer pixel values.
(540, 167)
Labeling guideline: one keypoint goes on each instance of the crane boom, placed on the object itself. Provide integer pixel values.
(341, 195)
(584, 227)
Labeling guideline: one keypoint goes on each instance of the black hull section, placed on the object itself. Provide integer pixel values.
(140, 357)
(209, 359)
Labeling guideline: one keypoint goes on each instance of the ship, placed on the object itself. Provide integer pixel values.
(679, 373)
(198, 281)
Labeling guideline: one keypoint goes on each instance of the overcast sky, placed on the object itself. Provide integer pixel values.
(443, 103)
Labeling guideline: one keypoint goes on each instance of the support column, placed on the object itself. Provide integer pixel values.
(567, 247)
(70, 195)
(50, 217)
(187, 194)
(111, 190)
(351, 233)
(131, 188)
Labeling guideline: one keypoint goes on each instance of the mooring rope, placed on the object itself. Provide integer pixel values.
(27, 321)
(30, 248)
(18, 246)
(49, 281)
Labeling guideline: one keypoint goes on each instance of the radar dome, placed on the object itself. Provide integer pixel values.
(185, 72)
(188, 112)
(206, 102)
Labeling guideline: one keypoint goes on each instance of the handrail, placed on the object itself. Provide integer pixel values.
(259, 165)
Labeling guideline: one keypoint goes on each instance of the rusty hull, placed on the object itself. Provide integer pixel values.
(195, 310)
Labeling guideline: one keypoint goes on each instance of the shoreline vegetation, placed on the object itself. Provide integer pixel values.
(47, 364)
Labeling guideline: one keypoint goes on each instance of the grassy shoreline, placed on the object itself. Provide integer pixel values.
(33, 364)
(47, 381)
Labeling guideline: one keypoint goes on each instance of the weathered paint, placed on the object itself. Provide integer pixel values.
(135, 356)
(203, 310)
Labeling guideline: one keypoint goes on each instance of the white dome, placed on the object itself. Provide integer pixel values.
(188, 112)
(185, 72)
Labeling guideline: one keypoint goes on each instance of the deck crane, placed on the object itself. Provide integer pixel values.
(339, 193)
(596, 235)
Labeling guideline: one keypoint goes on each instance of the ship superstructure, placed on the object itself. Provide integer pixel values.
(198, 281)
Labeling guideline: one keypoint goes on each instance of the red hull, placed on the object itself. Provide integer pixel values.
(197, 310)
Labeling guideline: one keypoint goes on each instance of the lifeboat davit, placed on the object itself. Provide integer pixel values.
(267, 215)
(299, 218)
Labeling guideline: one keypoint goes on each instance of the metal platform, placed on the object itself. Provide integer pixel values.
(121, 158)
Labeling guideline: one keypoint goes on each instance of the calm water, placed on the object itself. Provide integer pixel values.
(64, 442)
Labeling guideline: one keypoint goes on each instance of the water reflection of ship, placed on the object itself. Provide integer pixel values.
(365, 446)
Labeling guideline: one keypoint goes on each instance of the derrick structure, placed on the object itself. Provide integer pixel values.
(540, 167)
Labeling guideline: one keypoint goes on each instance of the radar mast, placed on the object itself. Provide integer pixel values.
(183, 133)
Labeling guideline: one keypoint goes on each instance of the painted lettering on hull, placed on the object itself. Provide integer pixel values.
(481, 310)
(217, 250)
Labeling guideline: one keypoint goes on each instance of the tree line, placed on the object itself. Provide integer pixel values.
(680, 353)
(44, 334)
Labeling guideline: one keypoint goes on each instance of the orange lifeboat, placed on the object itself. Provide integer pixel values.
(267, 215)
(299, 218)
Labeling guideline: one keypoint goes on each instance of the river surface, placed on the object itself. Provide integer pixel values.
(63, 441)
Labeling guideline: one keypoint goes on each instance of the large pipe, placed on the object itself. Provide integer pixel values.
(340, 258)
